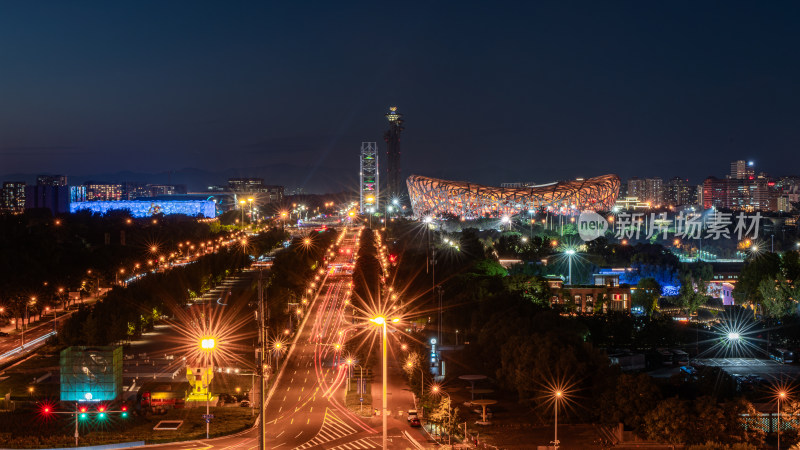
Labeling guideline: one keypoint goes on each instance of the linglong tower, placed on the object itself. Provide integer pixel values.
(394, 178)
(370, 186)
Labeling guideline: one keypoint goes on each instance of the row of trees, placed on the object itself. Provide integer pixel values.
(126, 312)
(47, 257)
(528, 348)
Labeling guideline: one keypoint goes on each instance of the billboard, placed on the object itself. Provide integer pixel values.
(91, 374)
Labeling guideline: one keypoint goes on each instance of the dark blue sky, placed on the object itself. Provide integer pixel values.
(494, 91)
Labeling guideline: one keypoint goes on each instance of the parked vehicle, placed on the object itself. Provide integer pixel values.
(245, 404)
(680, 357)
(415, 423)
(412, 414)
(689, 370)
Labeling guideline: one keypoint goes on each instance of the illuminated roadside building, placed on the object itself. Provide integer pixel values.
(431, 196)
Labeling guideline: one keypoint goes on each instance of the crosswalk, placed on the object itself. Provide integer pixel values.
(333, 428)
(359, 444)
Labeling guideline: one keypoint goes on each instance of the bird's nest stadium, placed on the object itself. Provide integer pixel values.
(432, 196)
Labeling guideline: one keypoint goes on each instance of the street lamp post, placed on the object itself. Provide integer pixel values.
(380, 320)
(781, 396)
(557, 396)
(208, 344)
(570, 253)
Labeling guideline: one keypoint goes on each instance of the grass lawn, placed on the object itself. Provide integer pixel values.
(351, 401)
(31, 430)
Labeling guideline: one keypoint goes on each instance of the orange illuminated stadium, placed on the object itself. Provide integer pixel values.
(432, 196)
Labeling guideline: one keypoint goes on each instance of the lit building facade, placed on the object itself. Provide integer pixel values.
(147, 208)
(13, 196)
(369, 178)
(431, 196)
(51, 180)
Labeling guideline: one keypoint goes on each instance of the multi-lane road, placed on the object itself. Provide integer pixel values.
(305, 406)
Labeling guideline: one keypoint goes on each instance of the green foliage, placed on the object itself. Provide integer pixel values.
(668, 422)
(489, 268)
(763, 266)
(532, 288)
(692, 293)
(646, 295)
(631, 397)
(679, 421)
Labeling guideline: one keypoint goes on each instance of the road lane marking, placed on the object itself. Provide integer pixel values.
(298, 435)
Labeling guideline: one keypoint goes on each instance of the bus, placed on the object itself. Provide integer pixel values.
(782, 355)
(679, 357)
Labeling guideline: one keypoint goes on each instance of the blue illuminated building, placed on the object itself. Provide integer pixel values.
(150, 207)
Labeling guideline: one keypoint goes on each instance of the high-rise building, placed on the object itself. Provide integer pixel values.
(678, 192)
(54, 198)
(636, 188)
(13, 196)
(369, 177)
(649, 190)
(263, 193)
(394, 178)
(741, 169)
(51, 180)
(740, 194)
(97, 191)
(246, 184)
(654, 191)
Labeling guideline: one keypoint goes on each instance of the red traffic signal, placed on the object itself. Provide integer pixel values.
(83, 409)
(46, 410)
(101, 408)
(124, 408)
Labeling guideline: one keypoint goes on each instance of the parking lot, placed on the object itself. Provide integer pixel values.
(765, 368)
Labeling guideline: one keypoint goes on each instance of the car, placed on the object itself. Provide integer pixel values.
(245, 404)
(3, 334)
(415, 423)
(412, 414)
(688, 370)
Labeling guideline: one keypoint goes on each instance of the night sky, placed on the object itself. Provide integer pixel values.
(491, 91)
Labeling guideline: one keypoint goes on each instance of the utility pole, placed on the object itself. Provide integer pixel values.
(262, 338)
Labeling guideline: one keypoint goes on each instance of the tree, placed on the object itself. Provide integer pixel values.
(763, 266)
(692, 294)
(630, 399)
(790, 265)
(647, 293)
(669, 421)
(774, 297)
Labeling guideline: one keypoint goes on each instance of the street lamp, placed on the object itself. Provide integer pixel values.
(781, 396)
(208, 344)
(557, 395)
(30, 303)
(570, 253)
(381, 321)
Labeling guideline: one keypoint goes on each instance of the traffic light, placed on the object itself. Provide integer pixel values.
(83, 412)
(124, 410)
(101, 412)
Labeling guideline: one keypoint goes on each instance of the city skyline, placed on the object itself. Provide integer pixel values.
(252, 85)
